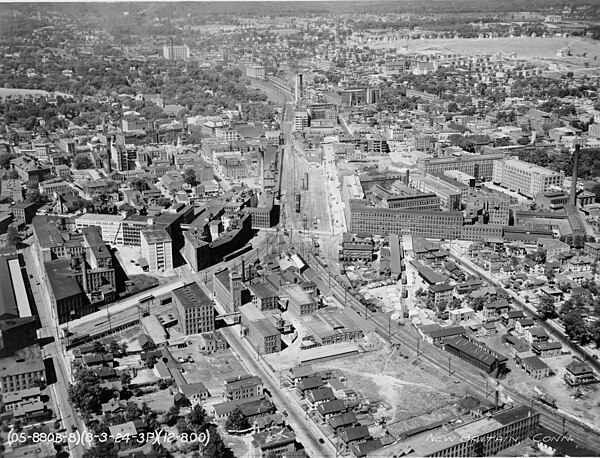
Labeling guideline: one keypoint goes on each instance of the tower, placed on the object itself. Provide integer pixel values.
(573, 195)
(235, 286)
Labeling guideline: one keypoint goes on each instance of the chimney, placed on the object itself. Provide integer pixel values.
(407, 177)
(243, 270)
(84, 270)
(573, 196)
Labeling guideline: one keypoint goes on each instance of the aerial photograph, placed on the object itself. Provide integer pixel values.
(300, 229)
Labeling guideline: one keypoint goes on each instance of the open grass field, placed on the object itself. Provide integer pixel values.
(5, 92)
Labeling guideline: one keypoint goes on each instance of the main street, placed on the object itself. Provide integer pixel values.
(54, 350)
(307, 432)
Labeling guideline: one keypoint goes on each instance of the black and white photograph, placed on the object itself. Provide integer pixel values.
(300, 229)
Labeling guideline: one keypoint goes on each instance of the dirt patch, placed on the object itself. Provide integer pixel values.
(159, 401)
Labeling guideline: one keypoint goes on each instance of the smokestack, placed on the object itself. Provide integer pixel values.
(84, 270)
(243, 270)
(407, 177)
(573, 196)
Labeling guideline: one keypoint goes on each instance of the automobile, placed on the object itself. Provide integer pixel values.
(181, 359)
(57, 424)
(37, 282)
(190, 359)
(456, 381)
(30, 276)
(132, 261)
(73, 428)
(321, 441)
(595, 356)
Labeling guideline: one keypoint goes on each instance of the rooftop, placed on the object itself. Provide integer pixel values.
(192, 296)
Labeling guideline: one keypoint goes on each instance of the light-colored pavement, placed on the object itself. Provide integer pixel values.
(308, 433)
(54, 350)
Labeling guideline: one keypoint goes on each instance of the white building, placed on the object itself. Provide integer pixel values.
(526, 178)
(111, 226)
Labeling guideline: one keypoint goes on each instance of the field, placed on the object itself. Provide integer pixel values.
(5, 92)
(409, 394)
(526, 48)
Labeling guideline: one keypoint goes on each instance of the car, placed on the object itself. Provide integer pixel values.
(132, 261)
(321, 441)
(30, 276)
(181, 360)
(595, 356)
(190, 359)
(37, 282)
(456, 381)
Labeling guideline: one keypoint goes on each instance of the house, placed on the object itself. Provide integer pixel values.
(328, 409)
(489, 329)
(297, 374)
(317, 397)
(273, 442)
(510, 317)
(462, 314)
(535, 367)
(363, 449)
(546, 349)
(354, 435)
(579, 373)
(494, 310)
(250, 407)
(440, 293)
(337, 423)
(146, 342)
(536, 334)
(268, 422)
(161, 371)
(127, 432)
(308, 384)
(523, 325)
(194, 392)
(114, 406)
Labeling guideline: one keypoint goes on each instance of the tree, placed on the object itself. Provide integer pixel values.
(5, 159)
(197, 417)
(575, 327)
(236, 421)
(12, 236)
(139, 184)
(183, 427)
(86, 394)
(133, 412)
(170, 418)
(125, 378)
(547, 308)
(216, 448)
(35, 196)
(11, 175)
(82, 161)
(190, 177)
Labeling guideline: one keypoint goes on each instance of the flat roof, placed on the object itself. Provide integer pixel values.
(18, 284)
(192, 296)
(62, 280)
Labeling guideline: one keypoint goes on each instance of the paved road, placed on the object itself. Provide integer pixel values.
(54, 350)
(307, 432)
(462, 371)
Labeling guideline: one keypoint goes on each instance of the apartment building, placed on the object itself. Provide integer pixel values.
(157, 248)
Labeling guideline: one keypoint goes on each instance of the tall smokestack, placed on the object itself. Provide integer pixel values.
(84, 271)
(243, 271)
(573, 196)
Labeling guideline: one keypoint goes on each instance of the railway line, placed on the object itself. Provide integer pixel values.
(475, 380)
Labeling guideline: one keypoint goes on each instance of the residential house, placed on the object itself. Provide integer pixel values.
(494, 310)
(546, 349)
(579, 373)
(305, 386)
(510, 317)
(462, 314)
(523, 325)
(318, 396)
(328, 409)
(354, 435)
(299, 373)
(194, 392)
(273, 442)
(340, 422)
(536, 334)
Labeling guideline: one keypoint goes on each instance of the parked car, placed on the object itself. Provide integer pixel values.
(190, 359)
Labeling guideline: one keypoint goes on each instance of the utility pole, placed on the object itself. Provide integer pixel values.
(449, 367)
(390, 326)
(564, 420)
(418, 342)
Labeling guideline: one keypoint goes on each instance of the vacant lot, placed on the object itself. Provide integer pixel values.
(405, 388)
(211, 369)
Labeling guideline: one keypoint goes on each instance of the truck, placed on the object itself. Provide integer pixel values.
(298, 197)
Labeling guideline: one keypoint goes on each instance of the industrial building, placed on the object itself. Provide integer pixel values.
(525, 178)
(195, 309)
